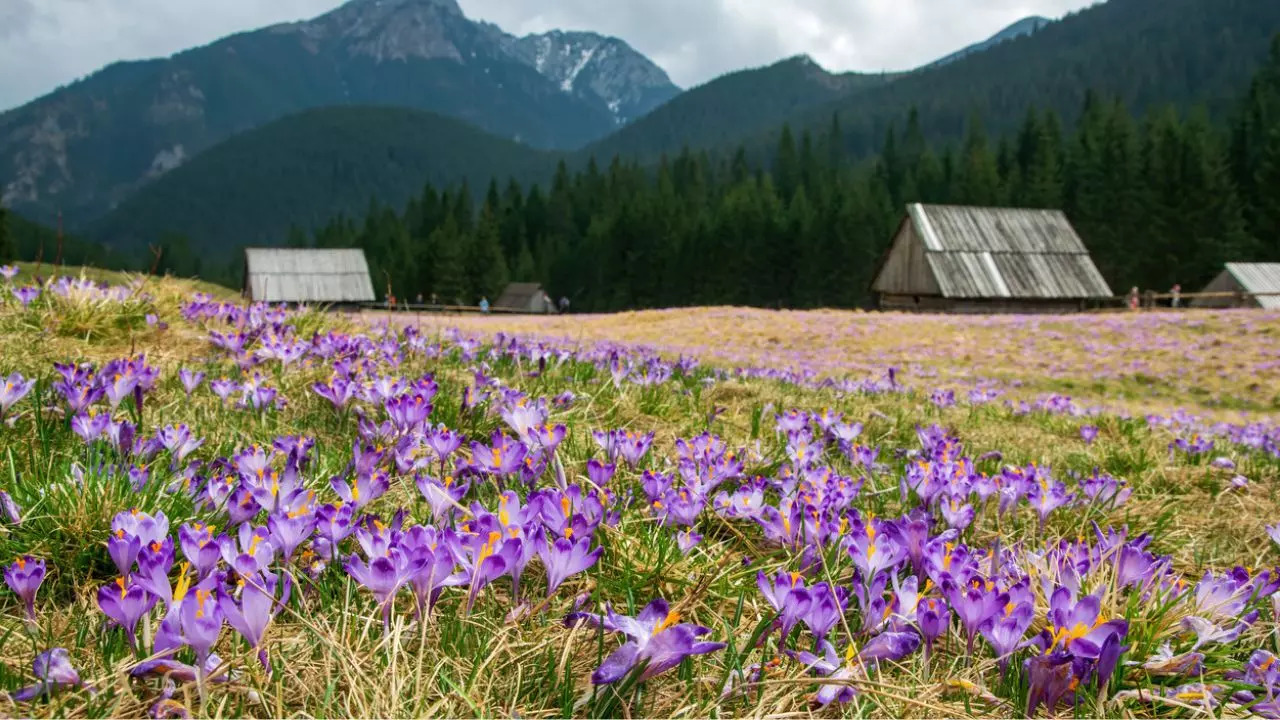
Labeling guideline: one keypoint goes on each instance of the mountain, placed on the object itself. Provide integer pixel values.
(1147, 53)
(308, 168)
(602, 69)
(1022, 28)
(733, 106)
(86, 147)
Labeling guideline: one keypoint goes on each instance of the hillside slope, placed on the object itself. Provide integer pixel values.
(1148, 53)
(87, 147)
(308, 168)
(733, 106)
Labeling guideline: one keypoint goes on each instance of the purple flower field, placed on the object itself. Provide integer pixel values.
(213, 509)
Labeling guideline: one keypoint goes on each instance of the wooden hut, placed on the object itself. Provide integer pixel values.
(1241, 278)
(311, 276)
(948, 258)
(525, 298)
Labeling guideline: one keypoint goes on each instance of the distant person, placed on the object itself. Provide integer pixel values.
(547, 305)
(435, 299)
(564, 304)
(1176, 291)
(1133, 298)
(418, 299)
(484, 305)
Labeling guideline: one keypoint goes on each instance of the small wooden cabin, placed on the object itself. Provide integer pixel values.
(316, 276)
(947, 258)
(525, 298)
(1244, 278)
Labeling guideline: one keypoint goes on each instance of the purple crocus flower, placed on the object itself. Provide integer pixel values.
(90, 425)
(252, 553)
(364, 488)
(830, 667)
(933, 615)
(1050, 678)
(874, 547)
(8, 272)
(223, 388)
(600, 473)
(255, 609)
(656, 640)
(1046, 497)
(130, 532)
(199, 547)
(338, 391)
(827, 606)
(190, 379)
(1088, 433)
(957, 513)
(26, 294)
(443, 441)
(125, 603)
(633, 447)
(1077, 627)
(24, 577)
(787, 594)
(14, 389)
(889, 646)
(564, 558)
(430, 548)
(444, 498)
(291, 529)
(1135, 566)
(1208, 632)
(178, 440)
(975, 602)
(503, 458)
(201, 619)
(687, 540)
(53, 672)
(10, 509)
(384, 576)
(1007, 628)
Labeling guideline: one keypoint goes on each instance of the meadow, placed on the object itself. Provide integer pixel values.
(214, 509)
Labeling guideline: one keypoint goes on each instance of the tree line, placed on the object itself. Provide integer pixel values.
(1162, 199)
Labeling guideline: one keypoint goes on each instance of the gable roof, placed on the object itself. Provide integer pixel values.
(314, 275)
(1259, 278)
(975, 252)
(518, 296)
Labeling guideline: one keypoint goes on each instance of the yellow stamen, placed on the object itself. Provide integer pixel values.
(672, 618)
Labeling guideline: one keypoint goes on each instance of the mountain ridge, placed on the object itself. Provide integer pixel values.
(1022, 28)
(84, 148)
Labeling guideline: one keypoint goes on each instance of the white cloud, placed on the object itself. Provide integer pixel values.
(46, 43)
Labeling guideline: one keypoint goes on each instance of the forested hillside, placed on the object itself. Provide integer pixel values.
(731, 107)
(304, 170)
(1166, 198)
(1151, 53)
(86, 147)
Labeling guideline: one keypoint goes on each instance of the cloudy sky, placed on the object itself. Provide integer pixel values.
(46, 43)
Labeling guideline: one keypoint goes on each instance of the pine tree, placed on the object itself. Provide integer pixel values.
(786, 164)
(1266, 223)
(297, 238)
(486, 268)
(8, 251)
(978, 178)
(449, 279)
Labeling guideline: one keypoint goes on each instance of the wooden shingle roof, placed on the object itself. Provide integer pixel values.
(975, 252)
(307, 275)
